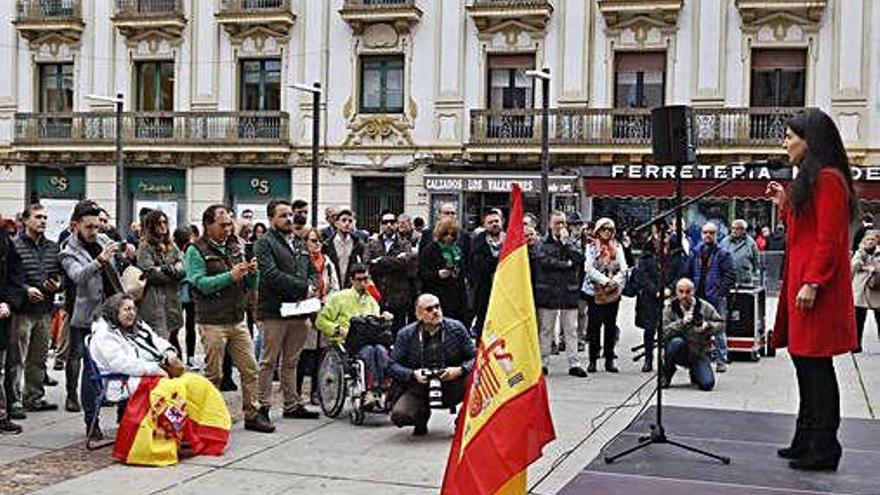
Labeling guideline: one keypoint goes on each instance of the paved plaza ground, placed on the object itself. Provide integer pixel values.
(334, 457)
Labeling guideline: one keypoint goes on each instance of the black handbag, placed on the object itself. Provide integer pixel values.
(368, 330)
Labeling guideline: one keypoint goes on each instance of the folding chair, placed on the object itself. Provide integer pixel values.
(102, 384)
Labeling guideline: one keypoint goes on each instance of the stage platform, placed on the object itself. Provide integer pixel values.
(750, 439)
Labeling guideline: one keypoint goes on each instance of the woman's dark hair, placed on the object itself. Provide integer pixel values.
(181, 237)
(110, 309)
(258, 231)
(150, 229)
(824, 149)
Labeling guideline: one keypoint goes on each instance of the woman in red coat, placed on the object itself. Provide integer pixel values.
(815, 313)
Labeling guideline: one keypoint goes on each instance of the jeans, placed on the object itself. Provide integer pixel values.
(721, 346)
(88, 391)
(375, 359)
(700, 370)
(76, 342)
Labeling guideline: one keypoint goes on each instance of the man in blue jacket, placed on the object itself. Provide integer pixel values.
(712, 271)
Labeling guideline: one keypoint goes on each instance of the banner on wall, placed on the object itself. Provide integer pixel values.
(259, 210)
(58, 211)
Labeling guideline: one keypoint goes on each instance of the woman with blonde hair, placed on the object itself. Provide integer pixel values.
(606, 271)
(441, 270)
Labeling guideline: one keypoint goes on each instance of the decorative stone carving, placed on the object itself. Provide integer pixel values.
(379, 36)
(54, 47)
(241, 20)
(135, 25)
(491, 15)
(401, 16)
(152, 45)
(259, 41)
(379, 130)
(618, 13)
(753, 12)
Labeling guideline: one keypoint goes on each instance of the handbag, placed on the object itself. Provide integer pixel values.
(134, 282)
(606, 294)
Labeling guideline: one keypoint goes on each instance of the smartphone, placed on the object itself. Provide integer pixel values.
(121, 247)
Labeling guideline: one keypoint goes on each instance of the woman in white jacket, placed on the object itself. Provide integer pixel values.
(605, 271)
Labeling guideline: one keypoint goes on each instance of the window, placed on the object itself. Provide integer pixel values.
(510, 89)
(778, 78)
(56, 96)
(155, 93)
(639, 82)
(381, 84)
(261, 84)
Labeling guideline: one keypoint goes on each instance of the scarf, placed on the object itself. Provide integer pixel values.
(318, 261)
(451, 255)
(607, 250)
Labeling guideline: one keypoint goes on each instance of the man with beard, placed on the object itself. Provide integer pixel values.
(387, 257)
(485, 250)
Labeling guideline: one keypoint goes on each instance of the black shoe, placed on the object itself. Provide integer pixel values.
(314, 399)
(807, 463)
(581, 347)
(577, 371)
(857, 350)
(561, 346)
(665, 382)
(48, 381)
(43, 405)
(798, 447)
(96, 435)
(259, 424)
(648, 366)
(544, 370)
(592, 367)
(420, 430)
(72, 405)
(16, 412)
(301, 413)
(9, 428)
(609, 366)
(59, 365)
(264, 412)
(227, 385)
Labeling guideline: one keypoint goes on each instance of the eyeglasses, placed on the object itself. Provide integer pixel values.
(607, 229)
(386, 221)
(361, 278)
(316, 241)
(431, 308)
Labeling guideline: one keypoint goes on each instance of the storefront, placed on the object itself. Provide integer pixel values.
(474, 193)
(253, 188)
(632, 194)
(58, 189)
(158, 189)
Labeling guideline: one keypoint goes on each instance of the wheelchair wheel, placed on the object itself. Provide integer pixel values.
(331, 382)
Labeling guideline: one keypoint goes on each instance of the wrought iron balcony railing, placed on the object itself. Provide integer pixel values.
(510, 3)
(376, 4)
(716, 127)
(153, 128)
(148, 8)
(253, 6)
(47, 10)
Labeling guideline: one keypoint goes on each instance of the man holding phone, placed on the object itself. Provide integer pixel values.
(31, 323)
(88, 260)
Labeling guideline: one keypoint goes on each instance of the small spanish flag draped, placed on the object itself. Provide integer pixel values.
(163, 412)
(505, 421)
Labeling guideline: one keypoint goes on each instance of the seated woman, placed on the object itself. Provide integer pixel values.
(165, 405)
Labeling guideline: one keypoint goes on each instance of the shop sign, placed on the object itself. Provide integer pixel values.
(154, 182)
(259, 183)
(58, 183)
(688, 172)
(443, 183)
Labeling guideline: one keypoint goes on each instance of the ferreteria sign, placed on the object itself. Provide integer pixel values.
(470, 183)
(869, 173)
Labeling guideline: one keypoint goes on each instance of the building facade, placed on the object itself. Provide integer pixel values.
(423, 101)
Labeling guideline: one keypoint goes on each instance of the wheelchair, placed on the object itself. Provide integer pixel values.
(102, 383)
(342, 375)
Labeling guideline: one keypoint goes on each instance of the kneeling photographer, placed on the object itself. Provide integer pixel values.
(688, 326)
(430, 363)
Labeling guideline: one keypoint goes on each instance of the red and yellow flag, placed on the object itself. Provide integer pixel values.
(505, 421)
(163, 412)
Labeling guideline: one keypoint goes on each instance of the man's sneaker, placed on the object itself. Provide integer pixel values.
(721, 367)
(16, 412)
(259, 424)
(9, 428)
(49, 381)
(420, 430)
(43, 405)
(577, 371)
(72, 405)
(301, 413)
(227, 385)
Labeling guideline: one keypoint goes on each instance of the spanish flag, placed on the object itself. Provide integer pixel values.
(505, 421)
(164, 412)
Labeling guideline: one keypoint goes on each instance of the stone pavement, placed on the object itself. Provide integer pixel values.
(334, 457)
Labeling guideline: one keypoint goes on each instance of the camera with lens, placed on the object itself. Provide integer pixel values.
(697, 320)
(435, 388)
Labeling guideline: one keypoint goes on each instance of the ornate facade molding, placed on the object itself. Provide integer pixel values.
(619, 13)
(510, 17)
(136, 25)
(40, 24)
(753, 12)
(360, 15)
(242, 21)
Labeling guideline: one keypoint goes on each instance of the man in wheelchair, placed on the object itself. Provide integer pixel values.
(335, 321)
(430, 354)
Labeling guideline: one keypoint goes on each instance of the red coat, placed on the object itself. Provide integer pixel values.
(817, 251)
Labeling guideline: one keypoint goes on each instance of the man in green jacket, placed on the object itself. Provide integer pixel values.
(221, 278)
(287, 275)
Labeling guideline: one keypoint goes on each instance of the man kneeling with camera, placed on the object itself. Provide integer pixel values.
(688, 326)
(430, 363)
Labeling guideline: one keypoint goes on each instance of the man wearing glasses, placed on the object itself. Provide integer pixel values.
(429, 345)
(388, 258)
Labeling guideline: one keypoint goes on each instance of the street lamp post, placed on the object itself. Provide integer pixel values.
(544, 76)
(120, 169)
(315, 90)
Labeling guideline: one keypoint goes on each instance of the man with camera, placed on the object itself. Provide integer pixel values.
(688, 325)
(88, 260)
(286, 275)
(334, 321)
(430, 363)
(31, 323)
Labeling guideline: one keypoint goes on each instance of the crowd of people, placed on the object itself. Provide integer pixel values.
(119, 305)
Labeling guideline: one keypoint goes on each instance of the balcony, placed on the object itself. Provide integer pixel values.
(239, 129)
(402, 14)
(753, 11)
(490, 13)
(717, 128)
(135, 18)
(35, 19)
(618, 12)
(242, 16)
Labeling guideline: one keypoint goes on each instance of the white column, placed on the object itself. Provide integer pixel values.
(574, 18)
(709, 52)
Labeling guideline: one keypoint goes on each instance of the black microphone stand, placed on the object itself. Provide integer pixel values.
(658, 432)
